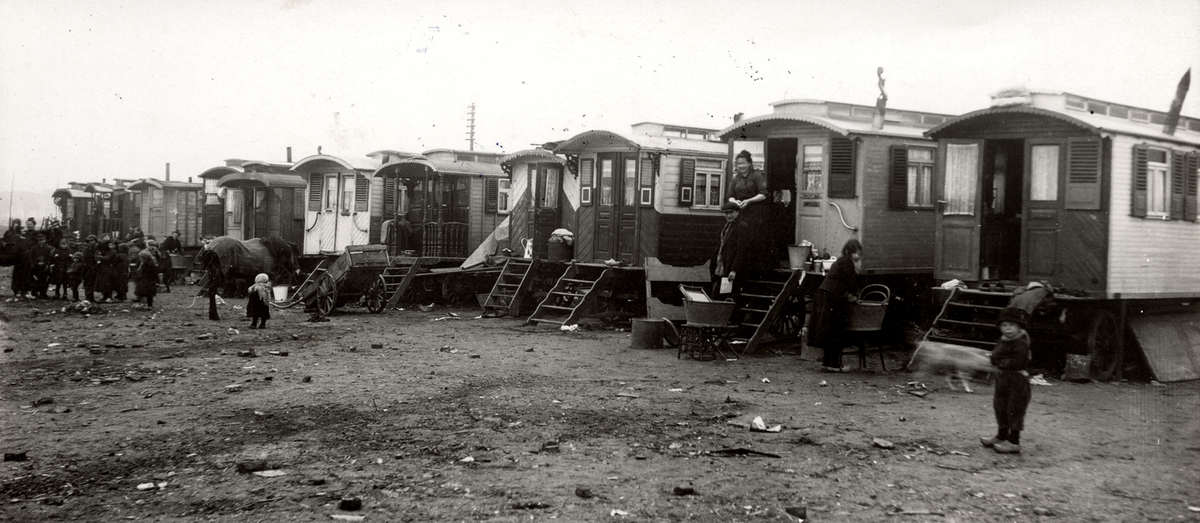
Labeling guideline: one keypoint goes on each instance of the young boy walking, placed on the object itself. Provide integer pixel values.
(1011, 397)
(258, 303)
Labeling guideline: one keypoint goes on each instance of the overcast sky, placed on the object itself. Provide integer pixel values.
(92, 90)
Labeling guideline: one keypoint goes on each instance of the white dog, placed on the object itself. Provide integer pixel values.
(956, 361)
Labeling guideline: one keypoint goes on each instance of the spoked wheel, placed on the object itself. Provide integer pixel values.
(325, 304)
(375, 298)
(1102, 346)
(790, 322)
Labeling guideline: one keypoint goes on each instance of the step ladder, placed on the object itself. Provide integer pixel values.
(572, 296)
(968, 317)
(504, 300)
(769, 306)
(397, 278)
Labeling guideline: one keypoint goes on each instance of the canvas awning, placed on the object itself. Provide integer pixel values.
(252, 179)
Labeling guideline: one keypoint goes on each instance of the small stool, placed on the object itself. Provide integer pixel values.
(705, 342)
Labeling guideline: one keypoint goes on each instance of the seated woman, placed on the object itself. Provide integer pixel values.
(831, 308)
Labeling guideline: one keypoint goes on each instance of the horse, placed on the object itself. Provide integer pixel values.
(230, 263)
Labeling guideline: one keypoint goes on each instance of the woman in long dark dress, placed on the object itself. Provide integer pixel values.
(749, 192)
(146, 285)
(831, 307)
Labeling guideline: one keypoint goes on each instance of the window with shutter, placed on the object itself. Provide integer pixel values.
(491, 195)
(898, 177)
(1140, 181)
(314, 192)
(362, 193)
(1178, 184)
(389, 196)
(1083, 174)
(646, 192)
(1190, 210)
(587, 172)
(841, 168)
(687, 178)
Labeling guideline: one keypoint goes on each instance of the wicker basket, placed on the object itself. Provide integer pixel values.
(867, 314)
(713, 313)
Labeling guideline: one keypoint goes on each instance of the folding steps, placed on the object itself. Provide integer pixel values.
(398, 277)
(769, 306)
(968, 317)
(510, 286)
(572, 296)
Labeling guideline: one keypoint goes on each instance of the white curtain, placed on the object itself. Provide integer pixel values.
(962, 178)
(1044, 185)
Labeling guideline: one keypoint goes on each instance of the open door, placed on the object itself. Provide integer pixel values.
(957, 220)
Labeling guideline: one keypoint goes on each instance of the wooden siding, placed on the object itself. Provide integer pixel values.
(896, 240)
(648, 234)
(585, 232)
(1147, 257)
(686, 240)
(375, 207)
(519, 226)
(666, 187)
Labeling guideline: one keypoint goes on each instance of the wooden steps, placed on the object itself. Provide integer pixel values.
(398, 278)
(968, 317)
(510, 285)
(572, 296)
(767, 307)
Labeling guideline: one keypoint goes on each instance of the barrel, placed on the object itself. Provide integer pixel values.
(647, 334)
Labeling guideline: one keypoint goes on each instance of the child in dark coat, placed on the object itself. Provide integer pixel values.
(1011, 397)
(258, 302)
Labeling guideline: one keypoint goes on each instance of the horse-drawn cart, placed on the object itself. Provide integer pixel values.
(357, 276)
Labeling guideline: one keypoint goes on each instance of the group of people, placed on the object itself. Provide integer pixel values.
(745, 248)
(48, 259)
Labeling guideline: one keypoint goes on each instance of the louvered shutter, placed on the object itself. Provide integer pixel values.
(898, 178)
(1139, 181)
(1190, 210)
(314, 192)
(389, 196)
(1083, 174)
(687, 181)
(646, 191)
(587, 172)
(1178, 184)
(491, 195)
(841, 168)
(362, 193)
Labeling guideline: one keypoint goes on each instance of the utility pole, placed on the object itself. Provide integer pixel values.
(471, 126)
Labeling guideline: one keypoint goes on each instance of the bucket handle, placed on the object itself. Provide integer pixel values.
(875, 289)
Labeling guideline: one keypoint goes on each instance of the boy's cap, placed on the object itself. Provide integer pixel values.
(1014, 315)
(729, 207)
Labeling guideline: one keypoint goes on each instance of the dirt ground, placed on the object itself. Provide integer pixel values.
(425, 418)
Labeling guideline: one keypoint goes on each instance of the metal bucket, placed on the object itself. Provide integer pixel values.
(647, 334)
(280, 292)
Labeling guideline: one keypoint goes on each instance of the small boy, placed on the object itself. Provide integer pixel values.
(1011, 397)
(74, 276)
(258, 303)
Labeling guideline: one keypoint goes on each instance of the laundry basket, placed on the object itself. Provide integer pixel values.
(867, 314)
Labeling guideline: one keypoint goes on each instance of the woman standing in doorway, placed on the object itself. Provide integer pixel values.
(748, 192)
(831, 309)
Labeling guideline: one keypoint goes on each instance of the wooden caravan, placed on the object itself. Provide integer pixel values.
(441, 203)
(538, 199)
(215, 214)
(168, 206)
(1094, 197)
(76, 206)
(343, 204)
(1090, 195)
(834, 174)
(264, 199)
(636, 195)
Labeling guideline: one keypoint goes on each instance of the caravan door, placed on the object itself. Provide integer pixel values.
(1045, 167)
(957, 218)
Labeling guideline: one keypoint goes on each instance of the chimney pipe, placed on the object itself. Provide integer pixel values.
(189, 179)
(880, 102)
(168, 171)
(737, 117)
(318, 149)
(289, 154)
(1177, 104)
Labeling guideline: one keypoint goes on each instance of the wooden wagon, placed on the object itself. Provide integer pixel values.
(358, 276)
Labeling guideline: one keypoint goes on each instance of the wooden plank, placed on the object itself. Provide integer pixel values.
(762, 331)
(1171, 343)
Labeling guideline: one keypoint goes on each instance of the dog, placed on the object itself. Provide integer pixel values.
(956, 361)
